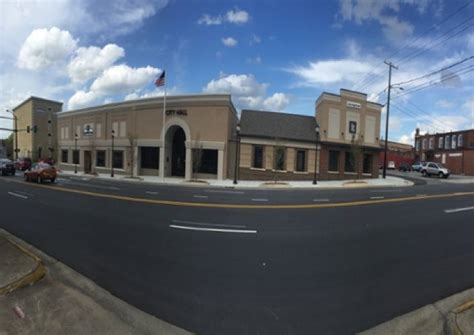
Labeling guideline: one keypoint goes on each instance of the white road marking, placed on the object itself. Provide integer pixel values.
(218, 230)
(320, 200)
(18, 195)
(208, 224)
(260, 199)
(200, 196)
(384, 191)
(224, 191)
(151, 192)
(455, 210)
(374, 198)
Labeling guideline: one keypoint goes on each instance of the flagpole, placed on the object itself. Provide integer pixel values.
(163, 131)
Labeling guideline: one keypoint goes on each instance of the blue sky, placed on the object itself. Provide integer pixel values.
(271, 55)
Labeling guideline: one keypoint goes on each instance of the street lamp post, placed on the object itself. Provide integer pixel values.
(112, 155)
(15, 120)
(316, 129)
(237, 150)
(75, 151)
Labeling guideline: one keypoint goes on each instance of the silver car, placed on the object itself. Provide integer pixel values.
(435, 169)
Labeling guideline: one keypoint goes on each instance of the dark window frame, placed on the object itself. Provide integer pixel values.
(76, 156)
(279, 163)
(104, 159)
(301, 167)
(349, 162)
(64, 155)
(367, 164)
(115, 155)
(209, 161)
(152, 158)
(336, 155)
(254, 156)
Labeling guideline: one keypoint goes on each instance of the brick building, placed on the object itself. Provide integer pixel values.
(453, 149)
(398, 153)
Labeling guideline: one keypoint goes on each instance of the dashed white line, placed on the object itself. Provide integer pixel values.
(260, 200)
(455, 210)
(224, 191)
(200, 196)
(320, 200)
(151, 192)
(374, 198)
(208, 224)
(218, 230)
(18, 195)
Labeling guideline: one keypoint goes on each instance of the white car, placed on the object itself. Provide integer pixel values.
(391, 165)
(435, 169)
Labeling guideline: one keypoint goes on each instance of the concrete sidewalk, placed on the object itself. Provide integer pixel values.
(390, 181)
(63, 301)
(453, 315)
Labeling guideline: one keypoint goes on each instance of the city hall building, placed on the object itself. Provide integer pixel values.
(202, 137)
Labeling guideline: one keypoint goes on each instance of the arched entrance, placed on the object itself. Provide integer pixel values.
(175, 145)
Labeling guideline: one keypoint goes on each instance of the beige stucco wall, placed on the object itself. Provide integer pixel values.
(326, 102)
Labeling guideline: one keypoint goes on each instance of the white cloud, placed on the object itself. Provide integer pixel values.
(247, 92)
(89, 62)
(331, 71)
(254, 39)
(443, 103)
(157, 92)
(82, 99)
(45, 47)
(405, 139)
(209, 20)
(237, 16)
(229, 42)
(123, 79)
(276, 102)
(255, 60)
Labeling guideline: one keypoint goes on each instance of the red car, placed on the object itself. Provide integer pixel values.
(23, 164)
(40, 172)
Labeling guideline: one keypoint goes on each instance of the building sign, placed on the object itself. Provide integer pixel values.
(438, 155)
(457, 154)
(353, 104)
(88, 130)
(181, 112)
(352, 127)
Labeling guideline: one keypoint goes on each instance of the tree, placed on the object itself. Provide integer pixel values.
(356, 153)
(132, 140)
(278, 159)
(8, 142)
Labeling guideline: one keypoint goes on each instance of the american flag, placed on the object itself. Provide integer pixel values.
(161, 80)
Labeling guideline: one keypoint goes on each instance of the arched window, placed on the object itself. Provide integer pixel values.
(460, 140)
(453, 142)
(447, 142)
(440, 143)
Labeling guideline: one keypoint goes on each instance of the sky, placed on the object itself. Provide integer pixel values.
(276, 55)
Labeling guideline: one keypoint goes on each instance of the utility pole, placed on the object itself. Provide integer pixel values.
(390, 65)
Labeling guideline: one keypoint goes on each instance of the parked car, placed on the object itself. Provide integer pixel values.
(404, 167)
(391, 165)
(435, 169)
(40, 172)
(418, 166)
(23, 164)
(7, 167)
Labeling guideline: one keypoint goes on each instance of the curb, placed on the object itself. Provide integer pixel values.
(29, 279)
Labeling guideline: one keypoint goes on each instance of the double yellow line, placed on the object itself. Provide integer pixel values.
(244, 206)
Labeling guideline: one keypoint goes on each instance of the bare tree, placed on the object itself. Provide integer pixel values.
(278, 159)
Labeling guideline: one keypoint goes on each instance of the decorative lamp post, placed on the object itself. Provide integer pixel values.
(237, 151)
(316, 129)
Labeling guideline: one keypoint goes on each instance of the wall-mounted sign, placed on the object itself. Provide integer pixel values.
(353, 104)
(456, 154)
(352, 127)
(88, 130)
(181, 112)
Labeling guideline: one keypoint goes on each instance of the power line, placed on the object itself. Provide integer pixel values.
(417, 118)
(434, 72)
(406, 45)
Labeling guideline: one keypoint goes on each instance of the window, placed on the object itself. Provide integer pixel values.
(333, 160)
(257, 157)
(453, 142)
(205, 161)
(64, 156)
(440, 143)
(150, 157)
(431, 143)
(417, 145)
(424, 143)
(460, 140)
(447, 141)
(349, 163)
(301, 160)
(367, 166)
(117, 159)
(75, 157)
(100, 158)
(279, 158)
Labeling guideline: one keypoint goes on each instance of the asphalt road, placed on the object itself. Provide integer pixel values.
(251, 270)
